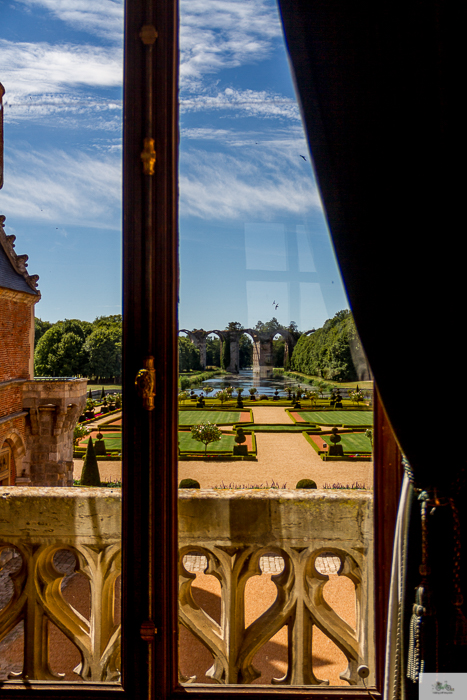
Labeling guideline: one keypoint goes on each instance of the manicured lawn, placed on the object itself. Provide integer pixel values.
(113, 441)
(217, 417)
(188, 444)
(338, 417)
(352, 443)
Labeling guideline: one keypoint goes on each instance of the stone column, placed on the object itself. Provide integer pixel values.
(198, 338)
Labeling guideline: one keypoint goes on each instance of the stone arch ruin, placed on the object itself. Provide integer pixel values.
(262, 347)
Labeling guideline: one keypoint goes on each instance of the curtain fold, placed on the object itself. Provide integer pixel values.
(380, 121)
(394, 685)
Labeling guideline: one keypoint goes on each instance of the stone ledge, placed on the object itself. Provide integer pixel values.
(71, 515)
(293, 517)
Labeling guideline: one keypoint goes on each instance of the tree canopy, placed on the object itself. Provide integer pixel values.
(327, 352)
(72, 348)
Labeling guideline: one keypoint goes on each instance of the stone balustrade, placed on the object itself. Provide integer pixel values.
(233, 530)
(37, 523)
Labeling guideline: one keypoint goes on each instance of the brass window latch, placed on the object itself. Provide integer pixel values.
(145, 383)
(148, 156)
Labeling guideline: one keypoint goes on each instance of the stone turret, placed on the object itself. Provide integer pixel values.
(53, 406)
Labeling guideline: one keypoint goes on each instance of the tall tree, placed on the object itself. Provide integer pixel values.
(104, 348)
(188, 355)
(40, 327)
(60, 352)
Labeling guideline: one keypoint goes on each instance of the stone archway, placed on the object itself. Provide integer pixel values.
(12, 452)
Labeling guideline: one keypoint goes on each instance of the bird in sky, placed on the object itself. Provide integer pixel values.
(302, 157)
(273, 303)
(277, 306)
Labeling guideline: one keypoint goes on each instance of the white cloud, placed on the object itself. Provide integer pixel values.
(63, 188)
(260, 185)
(42, 68)
(252, 103)
(103, 17)
(61, 80)
(217, 34)
(67, 110)
(290, 137)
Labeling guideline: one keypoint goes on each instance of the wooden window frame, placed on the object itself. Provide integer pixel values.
(150, 282)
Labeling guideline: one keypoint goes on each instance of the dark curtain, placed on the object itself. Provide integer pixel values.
(373, 80)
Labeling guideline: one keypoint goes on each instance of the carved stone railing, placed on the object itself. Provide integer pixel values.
(233, 530)
(36, 524)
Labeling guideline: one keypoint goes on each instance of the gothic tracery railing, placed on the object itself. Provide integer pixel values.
(233, 531)
(35, 525)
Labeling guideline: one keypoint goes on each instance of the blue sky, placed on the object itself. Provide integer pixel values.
(251, 225)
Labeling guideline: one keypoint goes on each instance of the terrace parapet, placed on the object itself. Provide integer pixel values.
(54, 406)
(233, 530)
(38, 523)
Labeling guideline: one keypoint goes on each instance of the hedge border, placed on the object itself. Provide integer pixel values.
(252, 455)
(362, 457)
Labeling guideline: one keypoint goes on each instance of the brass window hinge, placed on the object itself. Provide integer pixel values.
(145, 383)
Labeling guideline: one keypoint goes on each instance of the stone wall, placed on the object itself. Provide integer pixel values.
(53, 410)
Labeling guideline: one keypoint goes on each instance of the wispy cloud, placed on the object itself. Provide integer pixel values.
(217, 34)
(103, 18)
(44, 79)
(264, 185)
(42, 68)
(63, 188)
(255, 103)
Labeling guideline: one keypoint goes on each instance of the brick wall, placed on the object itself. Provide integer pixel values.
(15, 319)
(11, 399)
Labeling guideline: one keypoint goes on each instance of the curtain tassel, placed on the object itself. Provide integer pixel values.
(415, 662)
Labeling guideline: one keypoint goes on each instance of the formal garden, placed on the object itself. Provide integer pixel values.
(221, 427)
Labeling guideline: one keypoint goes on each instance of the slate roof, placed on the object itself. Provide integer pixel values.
(13, 273)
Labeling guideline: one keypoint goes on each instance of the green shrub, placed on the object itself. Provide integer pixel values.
(90, 475)
(189, 484)
(306, 484)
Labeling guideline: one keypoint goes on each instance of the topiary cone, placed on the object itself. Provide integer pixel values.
(90, 475)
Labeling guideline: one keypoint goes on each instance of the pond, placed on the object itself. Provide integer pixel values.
(245, 380)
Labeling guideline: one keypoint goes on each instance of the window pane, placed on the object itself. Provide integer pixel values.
(275, 582)
(60, 544)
